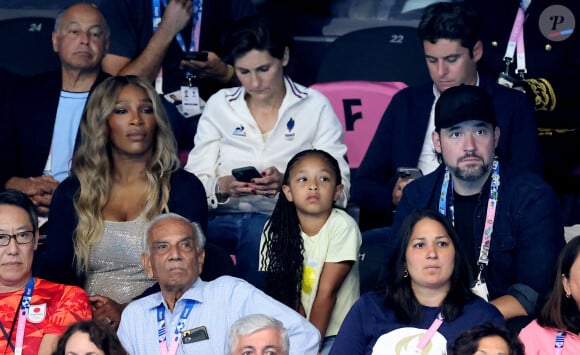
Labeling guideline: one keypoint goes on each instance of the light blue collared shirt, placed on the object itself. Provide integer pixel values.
(68, 117)
(218, 304)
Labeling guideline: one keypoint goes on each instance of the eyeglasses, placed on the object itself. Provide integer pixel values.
(24, 237)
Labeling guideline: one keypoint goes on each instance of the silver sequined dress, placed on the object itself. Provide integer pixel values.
(115, 262)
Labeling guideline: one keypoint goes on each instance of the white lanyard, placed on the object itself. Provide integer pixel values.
(516, 40)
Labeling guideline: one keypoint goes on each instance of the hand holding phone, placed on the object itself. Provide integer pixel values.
(409, 173)
(246, 173)
(198, 56)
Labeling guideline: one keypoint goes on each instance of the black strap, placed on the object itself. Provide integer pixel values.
(9, 336)
(8, 341)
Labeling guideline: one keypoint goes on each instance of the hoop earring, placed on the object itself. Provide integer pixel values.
(405, 273)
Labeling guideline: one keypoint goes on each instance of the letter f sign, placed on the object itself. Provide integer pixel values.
(349, 116)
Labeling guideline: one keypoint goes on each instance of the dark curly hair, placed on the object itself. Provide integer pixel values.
(468, 341)
(99, 333)
(283, 249)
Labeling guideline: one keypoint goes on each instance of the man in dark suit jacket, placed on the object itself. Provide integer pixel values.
(451, 36)
(552, 79)
(507, 219)
(37, 108)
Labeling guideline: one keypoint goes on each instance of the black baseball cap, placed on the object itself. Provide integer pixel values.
(463, 103)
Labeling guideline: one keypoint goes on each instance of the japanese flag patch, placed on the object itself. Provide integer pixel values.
(37, 313)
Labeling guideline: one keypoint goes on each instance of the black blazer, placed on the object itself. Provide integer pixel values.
(27, 119)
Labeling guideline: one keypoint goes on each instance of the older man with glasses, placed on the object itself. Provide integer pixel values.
(33, 312)
(190, 316)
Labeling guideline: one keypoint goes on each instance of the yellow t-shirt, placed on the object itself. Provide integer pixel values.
(338, 240)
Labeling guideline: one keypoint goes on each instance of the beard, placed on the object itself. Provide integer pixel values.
(473, 171)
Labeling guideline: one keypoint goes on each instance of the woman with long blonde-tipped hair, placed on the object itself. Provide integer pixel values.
(124, 173)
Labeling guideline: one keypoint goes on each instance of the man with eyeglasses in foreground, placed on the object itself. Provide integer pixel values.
(33, 312)
(191, 316)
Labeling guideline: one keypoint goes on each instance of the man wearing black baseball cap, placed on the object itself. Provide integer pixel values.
(470, 134)
(463, 104)
(450, 33)
(508, 220)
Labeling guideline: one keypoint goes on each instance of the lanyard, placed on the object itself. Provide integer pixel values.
(22, 314)
(516, 41)
(559, 342)
(162, 333)
(491, 209)
(426, 338)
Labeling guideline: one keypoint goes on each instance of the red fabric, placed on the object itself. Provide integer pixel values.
(64, 305)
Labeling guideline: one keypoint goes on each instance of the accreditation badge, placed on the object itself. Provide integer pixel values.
(190, 101)
(194, 335)
(36, 313)
(480, 288)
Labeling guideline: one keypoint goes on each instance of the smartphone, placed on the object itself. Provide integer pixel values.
(199, 56)
(409, 173)
(246, 173)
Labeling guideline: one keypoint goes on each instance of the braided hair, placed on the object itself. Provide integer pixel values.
(283, 249)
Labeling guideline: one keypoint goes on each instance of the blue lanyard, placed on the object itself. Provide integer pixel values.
(559, 342)
(491, 209)
(195, 23)
(443, 197)
(162, 332)
(25, 305)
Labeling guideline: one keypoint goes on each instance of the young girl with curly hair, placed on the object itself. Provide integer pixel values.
(309, 248)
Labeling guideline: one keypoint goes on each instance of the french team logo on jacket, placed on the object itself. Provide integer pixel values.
(290, 126)
(239, 131)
